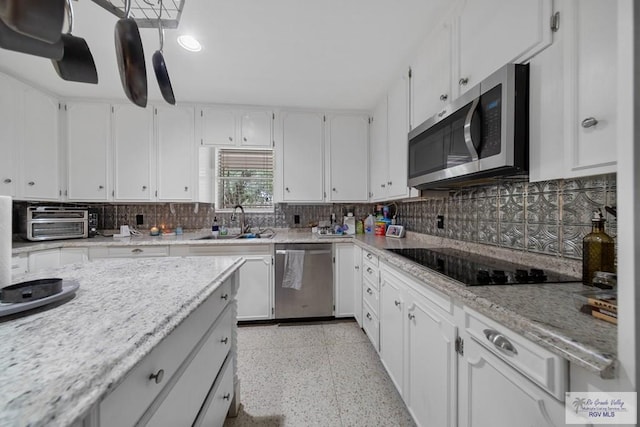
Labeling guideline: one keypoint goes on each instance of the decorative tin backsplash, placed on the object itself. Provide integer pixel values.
(548, 217)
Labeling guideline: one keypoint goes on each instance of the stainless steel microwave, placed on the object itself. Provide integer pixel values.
(484, 133)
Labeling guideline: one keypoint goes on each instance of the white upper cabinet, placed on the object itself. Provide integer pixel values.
(347, 142)
(573, 95)
(378, 162)
(226, 126)
(218, 126)
(40, 147)
(301, 154)
(176, 153)
(134, 155)
(491, 33)
(9, 134)
(88, 137)
(256, 128)
(431, 75)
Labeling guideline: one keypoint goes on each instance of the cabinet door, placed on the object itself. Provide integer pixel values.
(218, 126)
(302, 157)
(495, 32)
(73, 255)
(44, 260)
(592, 81)
(88, 134)
(378, 164)
(255, 129)
(431, 75)
(347, 137)
(357, 284)
(512, 398)
(10, 105)
(134, 157)
(398, 139)
(40, 146)
(392, 321)
(176, 149)
(255, 292)
(430, 388)
(343, 271)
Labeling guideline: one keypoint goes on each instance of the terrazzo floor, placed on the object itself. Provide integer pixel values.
(320, 374)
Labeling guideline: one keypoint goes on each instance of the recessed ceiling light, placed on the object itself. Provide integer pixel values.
(189, 43)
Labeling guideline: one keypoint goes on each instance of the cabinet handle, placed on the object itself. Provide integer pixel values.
(369, 270)
(389, 183)
(224, 297)
(158, 376)
(397, 303)
(287, 188)
(369, 316)
(226, 396)
(137, 251)
(186, 188)
(334, 190)
(463, 81)
(500, 341)
(369, 256)
(31, 183)
(225, 340)
(244, 139)
(357, 267)
(589, 122)
(7, 181)
(411, 316)
(442, 113)
(444, 97)
(100, 187)
(230, 139)
(369, 291)
(144, 187)
(382, 185)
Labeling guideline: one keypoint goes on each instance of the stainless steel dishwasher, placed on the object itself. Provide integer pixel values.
(314, 298)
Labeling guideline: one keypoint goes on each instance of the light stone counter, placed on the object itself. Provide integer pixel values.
(545, 314)
(56, 364)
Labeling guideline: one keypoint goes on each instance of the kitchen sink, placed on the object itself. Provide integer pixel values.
(237, 236)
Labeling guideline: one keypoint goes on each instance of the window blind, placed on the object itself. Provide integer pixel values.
(245, 177)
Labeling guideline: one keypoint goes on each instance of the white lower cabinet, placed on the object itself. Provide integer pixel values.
(344, 275)
(19, 264)
(417, 347)
(215, 407)
(357, 281)
(169, 387)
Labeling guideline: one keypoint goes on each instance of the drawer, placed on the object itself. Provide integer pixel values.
(371, 296)
(119, 408)
(371, 274)
(133, 252)
(544, 368)
(215, 408)
(184, 398)
(370, 257)
(371, 325)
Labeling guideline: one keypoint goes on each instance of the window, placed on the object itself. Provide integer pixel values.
(244, 177)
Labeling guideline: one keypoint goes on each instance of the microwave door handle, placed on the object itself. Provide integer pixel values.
(467, 130)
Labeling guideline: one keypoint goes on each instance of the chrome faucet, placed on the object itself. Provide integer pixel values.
(244, 227)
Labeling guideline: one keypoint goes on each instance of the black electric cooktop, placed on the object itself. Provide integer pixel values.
(478, 270)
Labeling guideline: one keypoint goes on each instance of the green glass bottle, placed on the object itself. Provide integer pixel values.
(598, 250)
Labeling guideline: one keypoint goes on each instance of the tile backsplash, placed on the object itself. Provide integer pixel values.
(548, 217)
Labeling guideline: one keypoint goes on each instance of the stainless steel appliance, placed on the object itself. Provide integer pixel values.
(478, 270)
(483, 133)
(55, 222)
(314, 298)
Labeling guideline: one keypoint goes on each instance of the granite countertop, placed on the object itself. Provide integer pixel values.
(545, 314)
(56, 364)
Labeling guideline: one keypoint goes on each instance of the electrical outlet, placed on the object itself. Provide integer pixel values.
(296, 219)
(440, 222)
(139, 219)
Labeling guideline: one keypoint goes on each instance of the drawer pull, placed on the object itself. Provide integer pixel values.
(411, 316)
(369, 291)
(7, 181)
(224, 340)
(224, 296)
(500, 341)
(357, 267)
(369, 316)
(589, 122)
(369, 270)
(137, 251)
(226, 396)
(397, 303)
(369, 256)
(158, 376)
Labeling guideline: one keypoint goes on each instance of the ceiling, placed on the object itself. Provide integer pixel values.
(338, 54)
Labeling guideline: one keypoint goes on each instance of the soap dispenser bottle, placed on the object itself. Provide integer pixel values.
(598, 250)
(215, 229)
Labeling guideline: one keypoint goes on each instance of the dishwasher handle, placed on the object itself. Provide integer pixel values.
(306, 252)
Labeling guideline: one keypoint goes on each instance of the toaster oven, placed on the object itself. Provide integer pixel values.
(55, 222)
